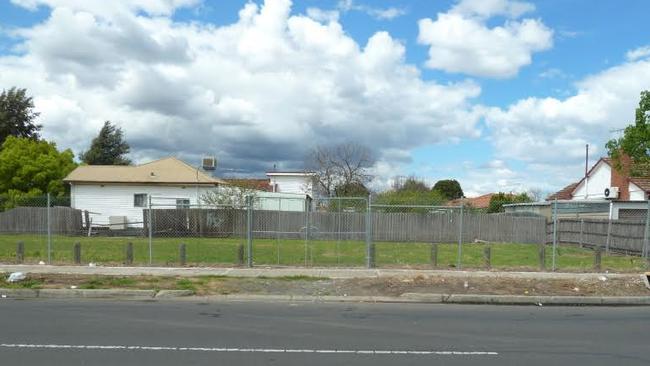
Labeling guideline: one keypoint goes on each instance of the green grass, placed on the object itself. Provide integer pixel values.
(286, 252)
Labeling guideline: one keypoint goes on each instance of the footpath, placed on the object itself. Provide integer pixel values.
(358, 284)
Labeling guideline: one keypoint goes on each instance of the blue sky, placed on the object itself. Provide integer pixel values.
(499, 94)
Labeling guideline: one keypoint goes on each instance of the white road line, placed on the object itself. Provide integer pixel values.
(248, 350)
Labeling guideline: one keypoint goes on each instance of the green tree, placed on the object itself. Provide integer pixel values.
(31, 168)
(17, 115)
(108, 148)
(635, 141)
(498, 200)
(410, 192)
(411, 184)
(352, 189)
(450, 188)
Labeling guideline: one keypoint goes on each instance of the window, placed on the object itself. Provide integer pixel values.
(140, 200)
(183, 203)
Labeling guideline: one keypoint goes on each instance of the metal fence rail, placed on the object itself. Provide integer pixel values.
(338, 231)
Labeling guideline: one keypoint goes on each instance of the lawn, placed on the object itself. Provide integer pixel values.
(288, 252)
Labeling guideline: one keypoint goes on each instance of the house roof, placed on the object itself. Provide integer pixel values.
(164, 171)
(260, 184)
(301, 173)
(476, 202)
(565, 193)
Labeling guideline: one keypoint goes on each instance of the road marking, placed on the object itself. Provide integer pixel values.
(248, 350)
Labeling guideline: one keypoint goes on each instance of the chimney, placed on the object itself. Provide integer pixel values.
(621, 177)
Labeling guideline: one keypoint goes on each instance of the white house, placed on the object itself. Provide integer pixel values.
(295, 182)
(604, 182)
(122, 192)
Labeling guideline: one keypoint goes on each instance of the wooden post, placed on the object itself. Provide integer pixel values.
(487, 256)
(20, 252)
(129, 253)
(597, 259)
(240, 254)
(542, 257)
(77, 253)
(182, 253)
(434, 255)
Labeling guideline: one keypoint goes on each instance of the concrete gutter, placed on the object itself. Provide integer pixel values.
(90, 294)
(126, 294)
(334, 273)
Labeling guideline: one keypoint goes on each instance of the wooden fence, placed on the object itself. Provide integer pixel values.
(63, 220)
(623, 235)
(390, 227)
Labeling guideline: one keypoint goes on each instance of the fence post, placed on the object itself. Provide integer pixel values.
(129, 253)
(370, 247)
(240, 254)
(646, 233)
(542, 257)
(582, 224)
(150, 216)
(49, 230)
(182, 254)
(487, 256)
(249, 229)
(434, 255)
(554, 233)
(20, 252)
(77, 252)
(308, 205)
(609, 235)
(597, 259)
(459, 264)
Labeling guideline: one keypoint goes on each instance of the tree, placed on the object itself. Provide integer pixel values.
(450, 188)
(108, 148)
(498, 200)
(635, 142)
(354, 189)
(410, 184)
(228, 196)
(30, 168)
(339, 166)
(17, 115)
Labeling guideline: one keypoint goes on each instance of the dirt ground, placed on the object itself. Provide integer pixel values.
(394, 286)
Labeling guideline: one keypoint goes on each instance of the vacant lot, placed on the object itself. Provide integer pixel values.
(269, 252)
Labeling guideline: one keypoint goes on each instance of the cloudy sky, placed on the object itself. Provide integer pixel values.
(499, 94)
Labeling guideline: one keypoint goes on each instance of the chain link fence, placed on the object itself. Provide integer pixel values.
(299, 231)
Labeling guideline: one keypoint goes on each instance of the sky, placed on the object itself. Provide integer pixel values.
(501, 95)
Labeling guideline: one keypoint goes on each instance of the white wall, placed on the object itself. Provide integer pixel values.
(627, 205)
(636, 193)
(599, 179)
(296, 184)
(117, 200)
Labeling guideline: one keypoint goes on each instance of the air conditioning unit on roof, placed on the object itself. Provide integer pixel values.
(611, 193)
(209, 163)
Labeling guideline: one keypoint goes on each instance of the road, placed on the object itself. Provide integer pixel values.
(91, 332)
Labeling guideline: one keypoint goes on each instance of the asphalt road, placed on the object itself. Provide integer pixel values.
(91, 332)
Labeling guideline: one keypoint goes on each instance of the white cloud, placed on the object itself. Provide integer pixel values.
(550, 133)
(377, 13)
(460, 41)
(638, 53)
(321, 15)
(152, 7)
(490, 8)
(260, 91)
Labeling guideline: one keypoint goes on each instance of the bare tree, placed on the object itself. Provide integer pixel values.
(340, 165)
(536, 194)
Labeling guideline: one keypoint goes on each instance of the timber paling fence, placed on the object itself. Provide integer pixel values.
(625, 236)
(334, 220)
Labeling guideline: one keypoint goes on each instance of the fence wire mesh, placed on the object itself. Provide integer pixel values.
(299, 231)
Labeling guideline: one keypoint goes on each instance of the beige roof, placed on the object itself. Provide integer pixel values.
(164, 171)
